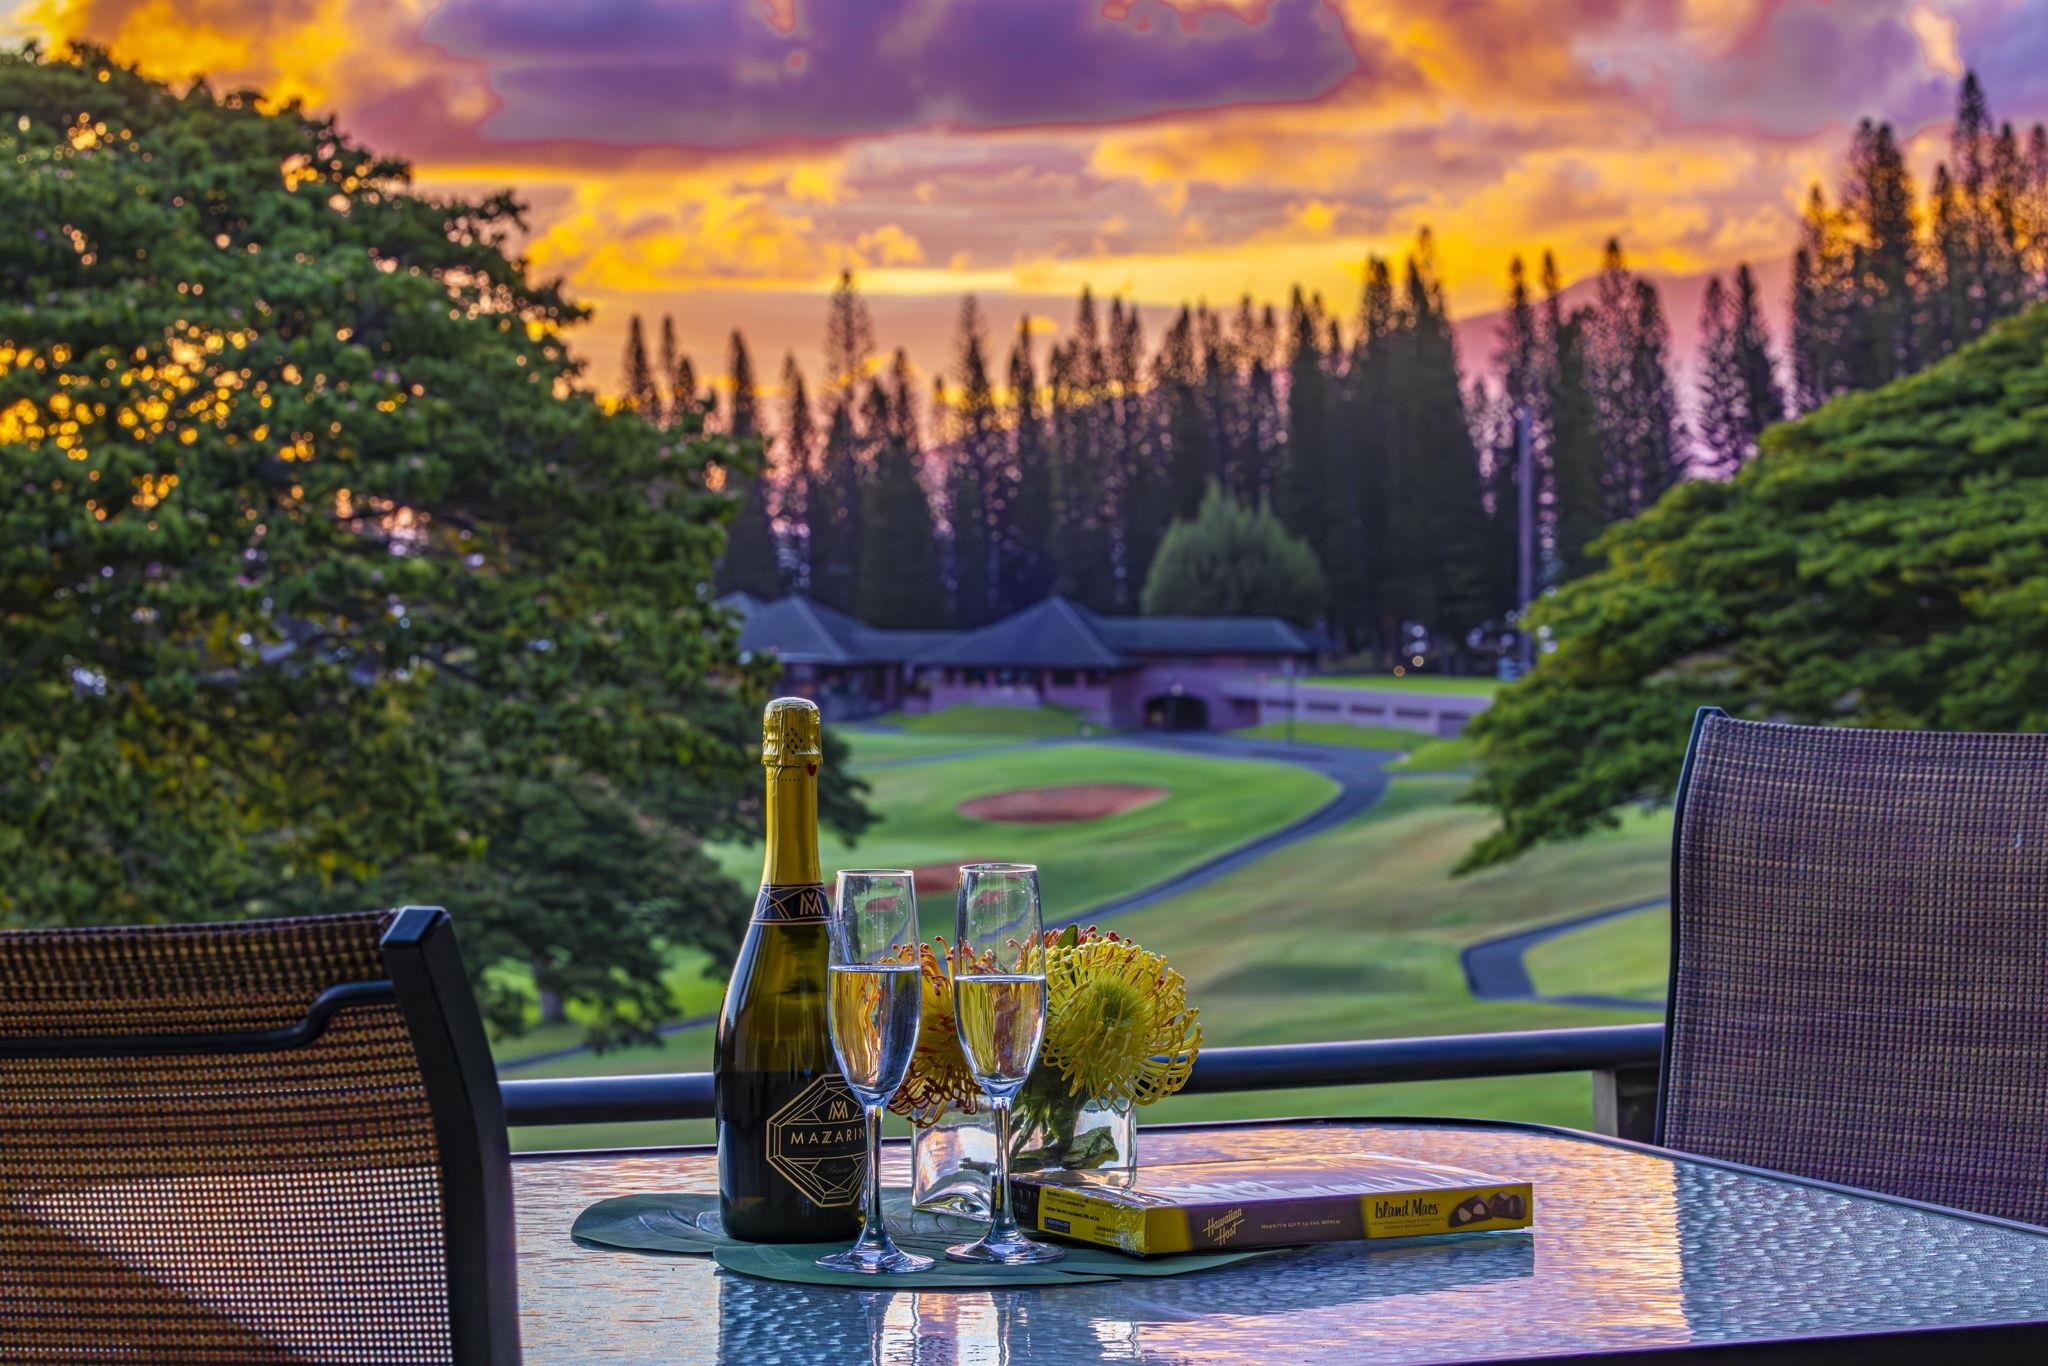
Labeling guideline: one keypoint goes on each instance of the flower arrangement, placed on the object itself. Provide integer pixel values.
(1119, 1033)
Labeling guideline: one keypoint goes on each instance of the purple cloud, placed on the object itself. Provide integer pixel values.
(706, 75)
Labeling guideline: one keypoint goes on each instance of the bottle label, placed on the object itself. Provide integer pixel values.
(819, 1143)
(788, 903)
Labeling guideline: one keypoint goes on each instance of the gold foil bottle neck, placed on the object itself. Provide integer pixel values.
(790, 734)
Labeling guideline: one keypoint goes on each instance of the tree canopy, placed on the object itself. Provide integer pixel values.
(322, 581)
(1883, 562)
(1232, 560)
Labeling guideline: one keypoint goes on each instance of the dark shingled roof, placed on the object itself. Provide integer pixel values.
(800, 631)
(1053, 634)
(1203, 636)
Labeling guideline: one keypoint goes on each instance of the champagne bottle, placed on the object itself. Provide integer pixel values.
(792, 1146)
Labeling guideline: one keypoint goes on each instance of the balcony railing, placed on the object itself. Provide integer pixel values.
(1622, 1059)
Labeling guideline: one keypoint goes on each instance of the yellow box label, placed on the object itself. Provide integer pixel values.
(1472, 1209)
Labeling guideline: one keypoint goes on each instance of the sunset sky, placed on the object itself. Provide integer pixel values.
(722, 160)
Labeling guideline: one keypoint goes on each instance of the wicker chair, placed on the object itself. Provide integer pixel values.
(1859, 984)
(272, 1141)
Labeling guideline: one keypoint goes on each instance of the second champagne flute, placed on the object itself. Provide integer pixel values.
(873, 1001)
(999, 1010)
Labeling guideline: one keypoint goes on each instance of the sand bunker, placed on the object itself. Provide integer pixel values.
(1051, 805)
(932, 878)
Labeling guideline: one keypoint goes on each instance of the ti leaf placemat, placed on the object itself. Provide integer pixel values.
(688, 1225)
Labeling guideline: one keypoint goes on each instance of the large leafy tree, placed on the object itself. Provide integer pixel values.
(1232, 560)
(1883, 562)
(322, 581)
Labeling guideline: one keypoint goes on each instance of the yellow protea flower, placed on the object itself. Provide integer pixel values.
(938, 1079)
(1119, 1028)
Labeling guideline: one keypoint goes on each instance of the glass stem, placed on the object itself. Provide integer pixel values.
(876, 1234)
(1002, 1228)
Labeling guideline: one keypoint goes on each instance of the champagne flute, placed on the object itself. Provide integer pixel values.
(999, 1010)
(873, 1000)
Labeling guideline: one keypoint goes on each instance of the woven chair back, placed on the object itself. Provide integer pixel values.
(1859, 988)
(192, 1169)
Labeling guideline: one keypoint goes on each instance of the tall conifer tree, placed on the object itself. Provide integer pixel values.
(799, 447)
(638, 388)
(752, 562)
(897, 582)
(1028, 562)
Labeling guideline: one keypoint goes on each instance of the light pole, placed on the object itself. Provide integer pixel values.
(1525, 524)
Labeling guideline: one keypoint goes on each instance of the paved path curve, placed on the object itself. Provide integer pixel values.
(1496, 971)
(1360, 775)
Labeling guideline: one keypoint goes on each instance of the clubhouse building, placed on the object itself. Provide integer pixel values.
(1176, 673)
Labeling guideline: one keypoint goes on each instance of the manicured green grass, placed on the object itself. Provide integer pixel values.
(1418, 683)
(1630, 956)
(1212, 805)
(862, 746)
(1355, 934)
(1337, 733)
(1436, 756)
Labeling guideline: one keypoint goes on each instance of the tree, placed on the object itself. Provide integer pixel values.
(975, 484)
(322, 583)
(1642, 442)
(898, 583)
(1578, 505)
(1027, 558)
(1232, 560)
(837, 478)
(1772, 596)
(686, 404)
(1878, 340)
(1083, 533)
(799, 441)
(1738, 387)
(639, 391)
(752, 562)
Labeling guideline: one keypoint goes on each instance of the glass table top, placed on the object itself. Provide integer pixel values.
(1630, 1250)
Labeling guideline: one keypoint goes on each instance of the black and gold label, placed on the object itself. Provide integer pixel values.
(818, 1143)
(787, 903)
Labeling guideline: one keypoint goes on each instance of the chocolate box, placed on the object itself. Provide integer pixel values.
(1224, 1204)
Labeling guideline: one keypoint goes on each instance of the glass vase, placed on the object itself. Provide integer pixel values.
(952, 1159)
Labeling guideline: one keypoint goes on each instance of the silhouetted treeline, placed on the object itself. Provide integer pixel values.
(1060, 467)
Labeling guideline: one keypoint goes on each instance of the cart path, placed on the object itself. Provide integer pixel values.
(1360, 775)
(1495, 969)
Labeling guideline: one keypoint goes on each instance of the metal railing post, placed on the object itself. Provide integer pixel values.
(1625, 1101)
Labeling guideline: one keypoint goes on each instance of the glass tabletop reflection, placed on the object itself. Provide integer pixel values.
(1631, 1249)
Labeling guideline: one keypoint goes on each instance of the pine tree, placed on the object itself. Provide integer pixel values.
(1131, 454)
(1763, 397)
(1823, 293)
(1179, 382)
(1723, 417)
(1435, 524)
(687, 405)
(638, 390)
(1304, 497)
(897, 583)
(1028, 558)
(1525, 362)
(840, 469)
(973, 493)
(752, 561)
(1579, 511)
(1084, 546)
(1878, 342)
(799, 446)
(1642, 442)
